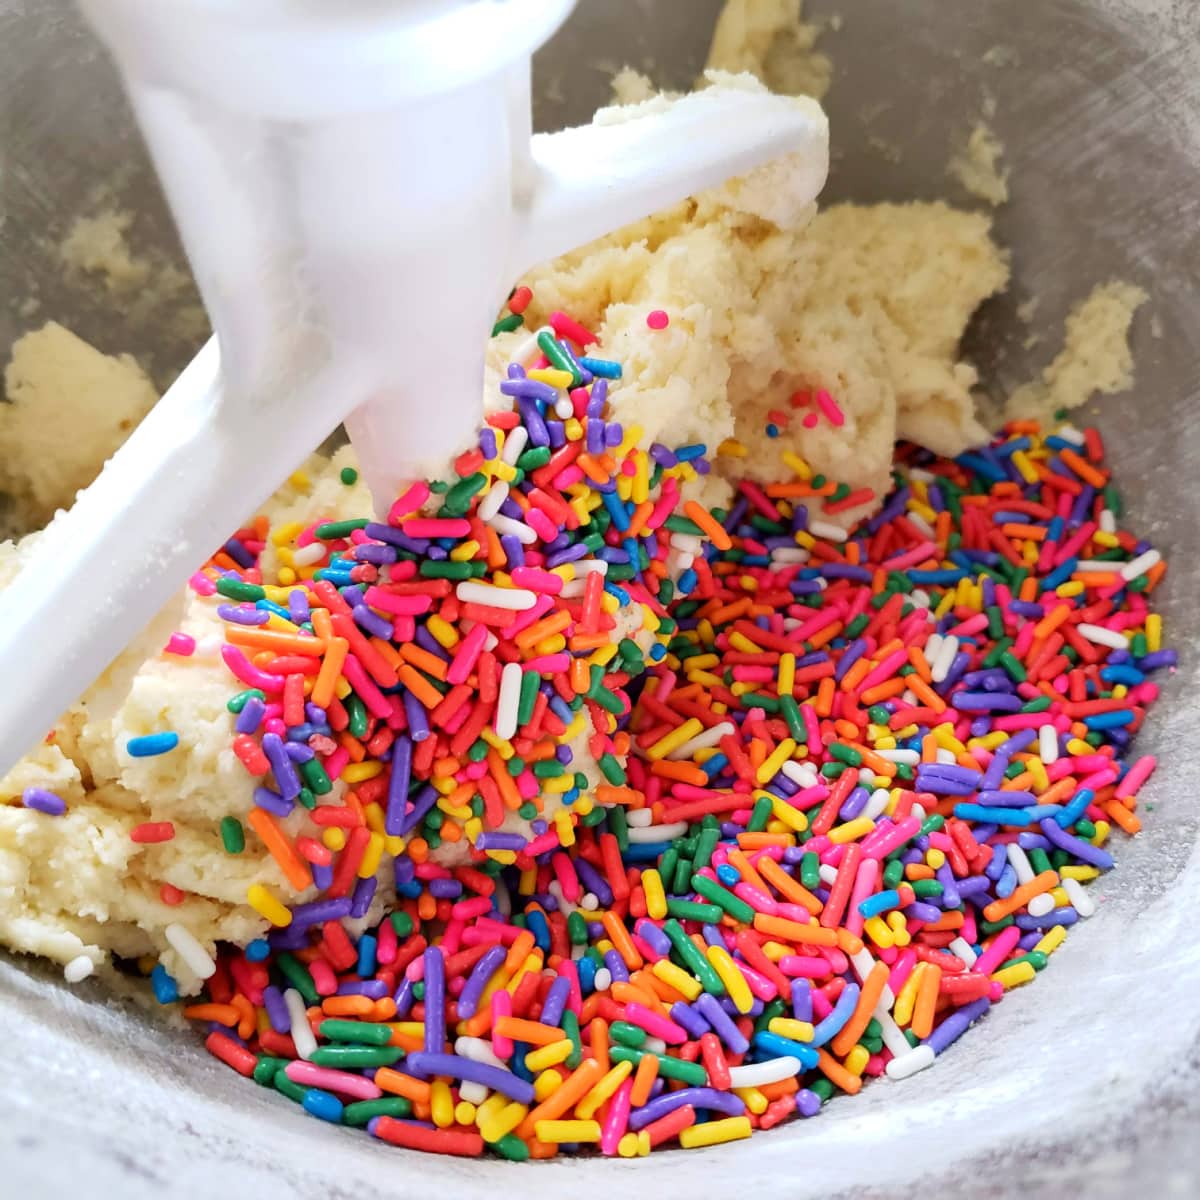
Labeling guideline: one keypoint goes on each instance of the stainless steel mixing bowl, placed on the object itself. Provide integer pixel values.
(1086, 1079)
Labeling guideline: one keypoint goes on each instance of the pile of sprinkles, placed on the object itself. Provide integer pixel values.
(695, 818)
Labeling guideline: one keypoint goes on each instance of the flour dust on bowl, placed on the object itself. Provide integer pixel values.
(1050, 1067)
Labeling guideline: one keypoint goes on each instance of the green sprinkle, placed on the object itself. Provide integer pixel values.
(235, 589)
(349, 476)
(508, 324)
(331, 531)
(235, 704)
(362, 1111)
(233, 836)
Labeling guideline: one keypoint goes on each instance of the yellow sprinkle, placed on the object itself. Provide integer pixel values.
(464, 1113)
(548, 1056)
(903, 1009)
(773, 763)
(732, 448)
(605, 1087)
(856, 1061)
(360, 772)
(1028, 471)
(797, 465)
(374, 817)
(499, 744)
(753, 1099)
(551, 375)
(685, 984)
(1103, 829)
(548, 1082)
(503, 1122)
(878, 930)
(935, 858)
(1108, 540)
(464, 552)
(677, 737)
(656, 896)
(627, 1147)
(739, 641)
(573, 429)
(1154, 628)
(1015, 975)
(553, 1132)
(734, 981)
(300, 481)
(1083, 874)
(563, 825)
(371, 857)
(266, 905)
(786, 815)
(851, 831)
(796, 1031)
(786, 682)
(441, 1103)
(334, 838)
(1055, 936)
(715, 1133)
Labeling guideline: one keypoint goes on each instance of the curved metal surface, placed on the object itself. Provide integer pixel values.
(1088, 1079)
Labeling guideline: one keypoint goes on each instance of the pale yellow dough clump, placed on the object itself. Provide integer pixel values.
(69, 408)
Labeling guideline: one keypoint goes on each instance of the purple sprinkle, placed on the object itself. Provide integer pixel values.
(44, 801)
(698, 1097)
(239, 614)
(426, 1063)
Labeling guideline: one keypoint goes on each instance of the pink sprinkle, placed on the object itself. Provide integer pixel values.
(830, 407)
(202, 585)
(657, 319)
(810, 420)
(182, 644)
(332, 1080)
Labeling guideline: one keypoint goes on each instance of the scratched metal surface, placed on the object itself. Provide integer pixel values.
(1089, 1078)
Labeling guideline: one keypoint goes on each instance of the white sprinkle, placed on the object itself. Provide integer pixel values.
(828, 531)
(804, 774)
(964, 951)
(1108, 521)
(789, 554)
(945, 659)
(194, 955)
(78, 969)
(922, 476)
(302, 1034)
(702, 741)
(306, 556)
(1081, 902)
(1097, 565)
(1071, 434)
(918, 811)
(506, 525)
(653, 1045)
(1101, 636)
(679, 561)
(514, 445)
(472, 1092)
(603, 980)
(931, 648)
(564, 410)
(1048, 744)
(589, 902)
(1019, 861)
(639, 818)
(893, 1036)
(1039, 906)
(509, 701)
(689, 543)
(945, 757)
(469, 591)
(587, 566)
(477, 1050)
(877, 803)
(1140, 565)
(904, 1065)
(525, 352)
(864, 963)
(919, 598)
(774, 1070)
(922, 524)
(489, 506)
(909, 758)
(658, 833)
(827, 873)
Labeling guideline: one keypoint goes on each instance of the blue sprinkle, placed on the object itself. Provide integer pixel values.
(258, 950)
(166, 990)
(323, 1104)
(152, 743)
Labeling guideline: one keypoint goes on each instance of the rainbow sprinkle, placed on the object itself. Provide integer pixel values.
(695, 818)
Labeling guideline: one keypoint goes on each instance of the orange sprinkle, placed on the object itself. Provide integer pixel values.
(702, 517)
(294, 868)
